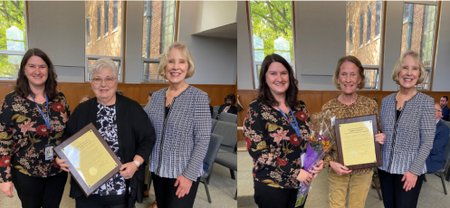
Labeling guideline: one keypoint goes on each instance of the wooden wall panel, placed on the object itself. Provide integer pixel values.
(138, 92)
(315, 99)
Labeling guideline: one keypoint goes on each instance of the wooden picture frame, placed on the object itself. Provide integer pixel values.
(339, 141)
(92, 162)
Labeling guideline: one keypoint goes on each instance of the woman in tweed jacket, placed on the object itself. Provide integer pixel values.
(348, 76)
(182, 120)
(407, 119)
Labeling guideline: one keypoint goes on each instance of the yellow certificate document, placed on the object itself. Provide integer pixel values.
(89, 158)
(357, 143)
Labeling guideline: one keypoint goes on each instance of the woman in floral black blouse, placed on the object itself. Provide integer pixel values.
(32, 121)
(275, 129)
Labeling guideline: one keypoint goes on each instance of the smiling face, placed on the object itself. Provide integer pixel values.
(348, 78)
(277, 78)
(104, 85)
(409, 73)
(36, 71)
(177, 66)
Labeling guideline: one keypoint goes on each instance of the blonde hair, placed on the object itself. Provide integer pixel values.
(185, 51)
(351, 59)
(398, 66)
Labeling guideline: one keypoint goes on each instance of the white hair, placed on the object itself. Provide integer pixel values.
(98, 65)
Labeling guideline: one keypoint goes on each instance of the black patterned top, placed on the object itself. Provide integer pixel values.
(24, 135)
(274, 145)
(107, 127)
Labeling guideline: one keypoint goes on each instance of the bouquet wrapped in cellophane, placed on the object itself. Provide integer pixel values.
(319, 143)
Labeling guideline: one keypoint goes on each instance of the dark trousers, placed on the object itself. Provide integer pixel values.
(394, 196)
(269, 197)
(36, 192)
(97, 201)
(165, 193)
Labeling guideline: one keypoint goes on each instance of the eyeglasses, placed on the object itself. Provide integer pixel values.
(108, 80)
(438, 110)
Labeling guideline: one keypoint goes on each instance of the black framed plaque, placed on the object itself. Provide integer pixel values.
(92, 162)
(355, 141)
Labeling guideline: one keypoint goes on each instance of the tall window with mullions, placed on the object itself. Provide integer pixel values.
(13, 37)
(272, 32)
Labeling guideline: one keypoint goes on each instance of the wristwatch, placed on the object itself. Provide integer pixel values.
(137, 163)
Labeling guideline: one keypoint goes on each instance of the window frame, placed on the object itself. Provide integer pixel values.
(255, 64)
(350, 35)
(361, 30)
(120, 78)
(369, 23)
(88, 29)
(18, 53)
(99, 22)
(115, 15)
(429, 70)
(378, 68)
(153, 60)
(106, 17)
(378, 19)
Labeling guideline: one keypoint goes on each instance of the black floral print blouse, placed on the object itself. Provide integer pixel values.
(24, 135)
(274, 145)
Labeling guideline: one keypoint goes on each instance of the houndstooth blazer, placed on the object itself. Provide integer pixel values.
(410, 138)
(182, 138)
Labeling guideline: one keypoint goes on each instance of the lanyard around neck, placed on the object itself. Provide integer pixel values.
(297, 130)
(47, 120)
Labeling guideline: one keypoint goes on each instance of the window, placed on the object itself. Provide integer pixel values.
(372, 78)
(418, 34)
(361, 30)
(378, 20)
(110, 47)
(407, 12)
(272, 32)
(88, 30)
(99, 23)
(350, 37)
(106, 16)
(158, 32)
(369, 21)
(116, 14)
(13, 37)
(368, 53)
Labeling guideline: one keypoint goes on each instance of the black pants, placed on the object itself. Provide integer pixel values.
(269, 197)
(394, 196)
(36, 192)
(165, 193)
(97, 201)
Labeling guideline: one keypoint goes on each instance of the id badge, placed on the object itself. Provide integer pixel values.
(48, 152)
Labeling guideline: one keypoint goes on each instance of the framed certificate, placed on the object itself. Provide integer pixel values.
(92, 162)
(355, 141)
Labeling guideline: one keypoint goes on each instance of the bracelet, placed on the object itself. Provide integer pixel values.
(137, 163)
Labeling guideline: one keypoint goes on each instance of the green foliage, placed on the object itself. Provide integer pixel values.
(12, 13)
(271, 20)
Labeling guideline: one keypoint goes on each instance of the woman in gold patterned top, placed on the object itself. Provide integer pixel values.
(348, 76)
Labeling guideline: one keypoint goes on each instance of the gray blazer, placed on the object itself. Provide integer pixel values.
(410, 138)
(182, 138)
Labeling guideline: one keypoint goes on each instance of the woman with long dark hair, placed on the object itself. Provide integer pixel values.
(32, 121)
(275, 129)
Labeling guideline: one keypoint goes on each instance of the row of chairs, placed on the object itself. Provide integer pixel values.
(221, 150)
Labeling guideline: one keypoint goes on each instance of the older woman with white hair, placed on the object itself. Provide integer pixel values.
(182, 120)
(125, 127)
